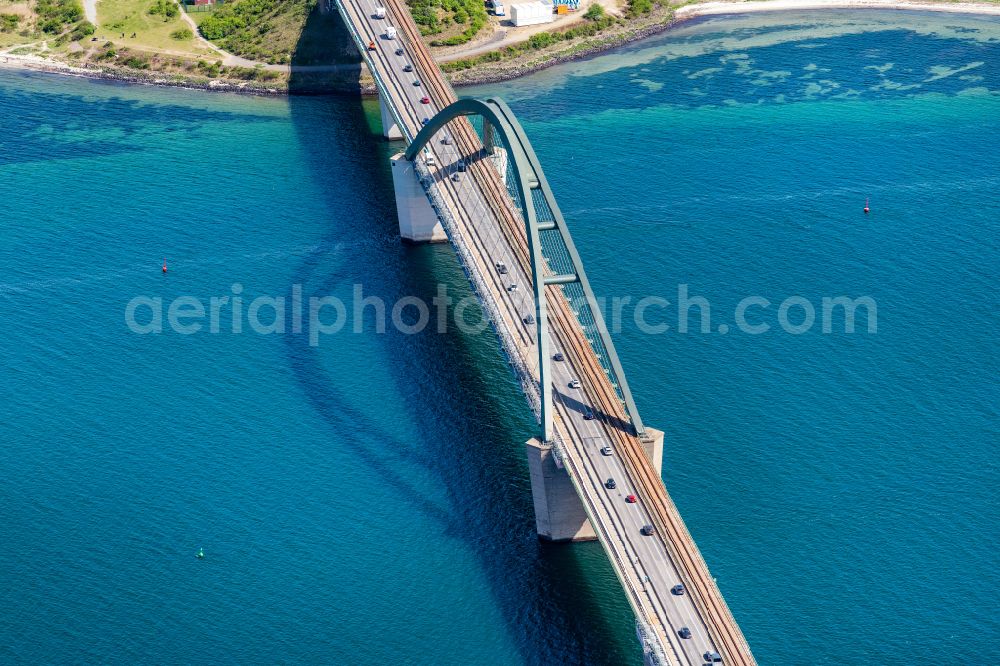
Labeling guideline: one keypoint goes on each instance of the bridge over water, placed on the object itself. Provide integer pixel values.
(470, 176)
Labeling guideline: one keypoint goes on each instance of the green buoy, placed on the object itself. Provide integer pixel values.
(201, 554)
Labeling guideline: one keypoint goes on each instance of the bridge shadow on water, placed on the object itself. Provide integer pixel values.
(562, 604)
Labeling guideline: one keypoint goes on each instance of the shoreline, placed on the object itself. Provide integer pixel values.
(473, 77)
(713, 8)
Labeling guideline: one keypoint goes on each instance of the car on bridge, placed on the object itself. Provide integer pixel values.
(455, 178)
(647, 530)
(530, 319)
(512, 286)
(501, 268)
(684, 632)
(416, 82)
(407, 67)
(399, 51)
(606, 451)
(379, 13)
(677, 589)
(712, 657)
(425, 100)
(558, 356)
(461, 165)
(588, 415)
(631, 499)
(446, 140)
(610, 484)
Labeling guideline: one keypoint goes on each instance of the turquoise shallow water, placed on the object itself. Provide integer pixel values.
(366, 501)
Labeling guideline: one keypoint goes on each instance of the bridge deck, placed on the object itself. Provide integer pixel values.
(486, 229)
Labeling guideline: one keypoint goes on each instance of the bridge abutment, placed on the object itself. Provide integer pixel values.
(559, 512)
(418, 221)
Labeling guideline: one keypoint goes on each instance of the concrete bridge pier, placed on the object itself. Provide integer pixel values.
(390, 129)
(559, 512)
(418, 221)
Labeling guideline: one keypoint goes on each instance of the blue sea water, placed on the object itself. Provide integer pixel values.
(367, 500)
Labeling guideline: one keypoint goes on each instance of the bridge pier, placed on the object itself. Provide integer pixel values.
(559, 512)
(390, 129)
(418, 221)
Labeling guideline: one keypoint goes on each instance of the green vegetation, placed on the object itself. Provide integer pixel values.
(182, 34)
(135, 62)
(150, 23)
(9, 22)
(639, 7)
(536, 42)
(594, 13)
(54, 16)
(83, 29)
(166, 8)
(436, 16)
(275, 31)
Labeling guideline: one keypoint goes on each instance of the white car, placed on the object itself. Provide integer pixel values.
(575, 383)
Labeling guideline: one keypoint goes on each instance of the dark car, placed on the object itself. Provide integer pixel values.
(684, 632)
(446, 140)
(461, 165)
(588, 415)
(416, 82)
(407, 67)
(558, 356)
(610, 484)
(425, 100)
(400, 52)
(677, 589)
(501, 267)
(425, 121)
(713, 657)
(530, 319)
(647, 530)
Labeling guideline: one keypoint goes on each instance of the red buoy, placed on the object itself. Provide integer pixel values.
(165, 261)
(867, 209)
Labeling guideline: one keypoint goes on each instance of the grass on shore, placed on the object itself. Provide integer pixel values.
(59, 21)
(278, 32)
(157, 25)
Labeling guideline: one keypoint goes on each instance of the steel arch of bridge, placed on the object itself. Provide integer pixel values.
(528, 176)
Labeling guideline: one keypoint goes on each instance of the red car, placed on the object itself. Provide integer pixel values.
(631, 499)
(425, 100)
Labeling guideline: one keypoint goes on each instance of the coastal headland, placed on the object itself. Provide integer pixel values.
(319, 57)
